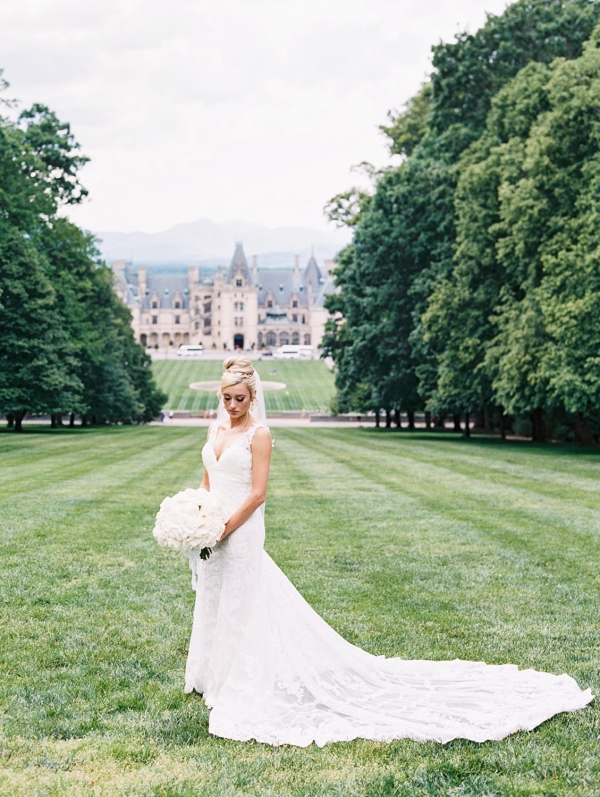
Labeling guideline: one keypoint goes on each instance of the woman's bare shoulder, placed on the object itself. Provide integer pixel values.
(262, 437)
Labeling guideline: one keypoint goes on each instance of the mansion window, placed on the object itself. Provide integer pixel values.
(207, 322)
(154, 305)
(238, 321)
(284, 339)
(238, 306)
(197, 311)
(207, 307)
(304, 319)
(295, 303)
(155, 319)
(270, 303)
(307, 340)
(197, 325)
(177, 306)
(294, 317)
(177, 319)
(295, 338)
(238, 283)
(271, 339)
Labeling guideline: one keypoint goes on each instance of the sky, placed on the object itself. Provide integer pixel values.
(223, 109)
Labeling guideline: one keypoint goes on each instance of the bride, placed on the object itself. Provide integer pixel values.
(271, 669)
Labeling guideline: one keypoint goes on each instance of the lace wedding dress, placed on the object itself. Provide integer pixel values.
(272, 670)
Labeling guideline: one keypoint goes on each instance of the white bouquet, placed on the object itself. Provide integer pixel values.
(190, 520)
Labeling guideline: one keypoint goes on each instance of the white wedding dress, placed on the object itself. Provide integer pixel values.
(271, 669)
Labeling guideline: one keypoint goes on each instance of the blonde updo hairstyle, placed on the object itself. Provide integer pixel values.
(236, 370)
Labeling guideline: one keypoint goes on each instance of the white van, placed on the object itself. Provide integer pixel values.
(294, 352)
(190, 351)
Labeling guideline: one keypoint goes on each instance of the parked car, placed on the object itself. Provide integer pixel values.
(293, 352)
(190, 351)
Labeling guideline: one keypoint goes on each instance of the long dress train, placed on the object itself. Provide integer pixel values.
(271, 669)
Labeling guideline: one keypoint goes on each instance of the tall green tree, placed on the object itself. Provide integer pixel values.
(37, 362)
(411, 218)
(548, 208)
(66, 343)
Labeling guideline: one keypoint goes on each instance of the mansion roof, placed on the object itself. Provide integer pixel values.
(279, 286)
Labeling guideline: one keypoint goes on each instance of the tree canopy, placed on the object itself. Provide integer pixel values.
(66, 344)
(471, 282)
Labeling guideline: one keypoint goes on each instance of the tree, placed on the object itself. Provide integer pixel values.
(37, 366)
(549, 249)
(409, 128)
(65, 338)
(470, 71)
(416, 229)
(457, 322)
(117, 383)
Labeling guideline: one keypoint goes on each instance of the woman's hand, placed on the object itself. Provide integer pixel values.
(226, 531)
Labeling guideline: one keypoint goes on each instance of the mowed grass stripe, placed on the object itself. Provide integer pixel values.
(119, 458)
(408, 545)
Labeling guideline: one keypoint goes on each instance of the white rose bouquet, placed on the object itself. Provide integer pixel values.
(192, 520)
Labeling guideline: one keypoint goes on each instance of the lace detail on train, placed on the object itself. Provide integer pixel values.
(272, 670)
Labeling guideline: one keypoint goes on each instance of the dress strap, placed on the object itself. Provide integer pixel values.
(251, 431)
(213, 429)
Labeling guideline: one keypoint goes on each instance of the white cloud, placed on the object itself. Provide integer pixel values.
(223, 109)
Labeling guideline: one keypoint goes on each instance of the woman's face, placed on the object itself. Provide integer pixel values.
(236, 400)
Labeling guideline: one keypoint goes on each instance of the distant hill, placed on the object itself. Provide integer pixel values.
(209, 244)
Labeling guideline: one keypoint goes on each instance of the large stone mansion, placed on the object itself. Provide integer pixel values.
(238, 308)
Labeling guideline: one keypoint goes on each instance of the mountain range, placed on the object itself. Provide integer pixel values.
(209, 244)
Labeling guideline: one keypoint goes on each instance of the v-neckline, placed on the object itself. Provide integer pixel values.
(241, 434)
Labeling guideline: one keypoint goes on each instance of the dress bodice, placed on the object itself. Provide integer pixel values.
(231, 474)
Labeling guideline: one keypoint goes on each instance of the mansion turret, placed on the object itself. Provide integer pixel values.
(237, 308)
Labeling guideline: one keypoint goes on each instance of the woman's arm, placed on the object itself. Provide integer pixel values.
(261, 460)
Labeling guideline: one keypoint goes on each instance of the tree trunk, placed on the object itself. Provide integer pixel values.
(480, 419)
(428, 421)
(488, 421)
(72, 420)
(538, 426)
(84, 421)
(94, 420)
(19, 415)
(388, 419)
(10, 420)
(456, 419)
(397, 418)
(439, 422)
(467, 424)
(377, 419)
(52, 421)
(583, 433)
(502, 425)
(410, 414)
(59, 421)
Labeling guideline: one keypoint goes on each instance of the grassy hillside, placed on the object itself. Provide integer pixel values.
(419, 546)
(309, 383)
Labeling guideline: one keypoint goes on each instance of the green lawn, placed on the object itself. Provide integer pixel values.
(421, 546)
(309, 383)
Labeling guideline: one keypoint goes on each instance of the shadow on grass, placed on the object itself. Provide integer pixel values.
(46, 429)
(483, 440)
